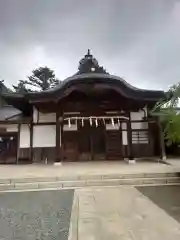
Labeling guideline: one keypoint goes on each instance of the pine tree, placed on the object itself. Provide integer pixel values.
(42, 78)
(20, 88)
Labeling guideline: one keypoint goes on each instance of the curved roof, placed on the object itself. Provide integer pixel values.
(89, 76)
(106, 80)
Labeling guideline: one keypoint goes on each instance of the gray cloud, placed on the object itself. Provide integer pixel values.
(135, 39)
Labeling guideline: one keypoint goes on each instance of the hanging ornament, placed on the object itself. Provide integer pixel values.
(90, 121)
(104, 121)
(76, 121)
(96, 122)
(112, 121)
(82, 122)
(69, 122)
(118, 122)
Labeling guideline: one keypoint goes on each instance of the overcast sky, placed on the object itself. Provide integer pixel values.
(138, 40)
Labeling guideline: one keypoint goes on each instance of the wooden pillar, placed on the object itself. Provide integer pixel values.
(31, 141)
(91, 134)
(121, 140)
(61, 139)
(161, 138)
(105, 141)
(18, 143)
(58, 157)
(129, 133)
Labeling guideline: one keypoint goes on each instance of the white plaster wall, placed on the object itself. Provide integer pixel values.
(35, 115)
(70, 128)
(124, 133)
(124, 126)
(124, 138)
(44, 136)
(43, 117)
(47, 117)
(111, 127)
(24, 136)
(137, 115)
(139, 125)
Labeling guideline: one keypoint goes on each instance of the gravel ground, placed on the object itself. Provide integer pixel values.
(43, 215)
(166, 197)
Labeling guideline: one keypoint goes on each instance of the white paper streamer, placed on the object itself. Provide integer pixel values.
(82, 122)
(96, 122)
(90, 121)
(119, 122)
(112, 121)
(104, 121)
(69, 122)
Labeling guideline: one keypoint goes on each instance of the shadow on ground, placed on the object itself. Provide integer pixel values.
(166, 197)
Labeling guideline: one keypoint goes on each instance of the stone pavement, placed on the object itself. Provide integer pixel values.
(174, 162)
(73, 175)
(116, 213)
(73, 170)
(120, 213)
(35, 215)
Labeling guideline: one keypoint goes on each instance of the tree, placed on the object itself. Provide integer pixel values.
(42, 79)
(20, 88)
(166, 109)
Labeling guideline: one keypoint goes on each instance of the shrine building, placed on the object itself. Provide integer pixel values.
(90, 116)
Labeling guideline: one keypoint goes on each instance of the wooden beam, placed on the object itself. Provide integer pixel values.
(44, 123)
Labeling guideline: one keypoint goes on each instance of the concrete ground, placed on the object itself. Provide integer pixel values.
(124, 213)
(42, 215)
(121, 212)
(116, 213)
(72, 170)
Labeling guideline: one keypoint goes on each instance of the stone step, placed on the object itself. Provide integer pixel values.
(90, 183)
(89, 177)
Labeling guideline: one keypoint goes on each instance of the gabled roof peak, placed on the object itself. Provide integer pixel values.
(89, 64)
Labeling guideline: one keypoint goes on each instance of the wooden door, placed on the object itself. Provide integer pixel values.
(98, 146)
(70, 146)
(91, 141)
(114, 145)
(84, 141)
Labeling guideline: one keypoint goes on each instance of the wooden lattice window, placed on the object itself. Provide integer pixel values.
(140, 137)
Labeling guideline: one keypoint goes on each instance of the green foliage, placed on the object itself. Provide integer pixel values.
(171, 126)
(174, 94)
(41, 79)
(166, 110)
